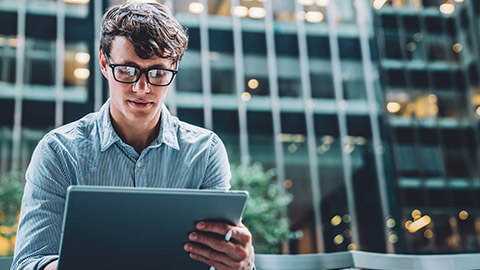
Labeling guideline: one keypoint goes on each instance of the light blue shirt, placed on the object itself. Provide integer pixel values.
(90, 152)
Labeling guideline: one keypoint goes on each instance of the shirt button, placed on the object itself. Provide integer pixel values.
(139, 164)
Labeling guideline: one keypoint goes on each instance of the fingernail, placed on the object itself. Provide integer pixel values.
(200, 225)
(193, 236)
(188, 247)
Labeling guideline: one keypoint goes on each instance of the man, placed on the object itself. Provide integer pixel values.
(132, 141)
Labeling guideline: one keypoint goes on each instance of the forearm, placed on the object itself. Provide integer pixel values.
(51, 266)
(34, 263)
(39, 230)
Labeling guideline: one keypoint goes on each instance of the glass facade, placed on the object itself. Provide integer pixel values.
(367, 110)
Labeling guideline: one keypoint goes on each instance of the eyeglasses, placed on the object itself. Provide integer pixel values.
(131, 74)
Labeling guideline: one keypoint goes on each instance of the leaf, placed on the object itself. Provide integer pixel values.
(266, 213)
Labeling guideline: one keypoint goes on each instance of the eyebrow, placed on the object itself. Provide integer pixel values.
(130, 63)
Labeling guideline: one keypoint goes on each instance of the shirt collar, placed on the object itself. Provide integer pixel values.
(167, 133)
(168, 130)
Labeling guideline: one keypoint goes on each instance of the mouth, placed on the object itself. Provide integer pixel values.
(139, 103)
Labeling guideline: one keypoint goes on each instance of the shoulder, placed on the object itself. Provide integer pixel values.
(71, 135)
(189, 134)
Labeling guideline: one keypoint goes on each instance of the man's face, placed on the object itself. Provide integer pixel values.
(138, 102)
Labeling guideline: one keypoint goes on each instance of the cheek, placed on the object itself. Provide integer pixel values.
(164, 94)
(117, 90)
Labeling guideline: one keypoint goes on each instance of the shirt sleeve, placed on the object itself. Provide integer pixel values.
(217, 172)
(38, 236)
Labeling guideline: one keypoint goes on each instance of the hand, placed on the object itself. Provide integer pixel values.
(51, 265)
(234, 254)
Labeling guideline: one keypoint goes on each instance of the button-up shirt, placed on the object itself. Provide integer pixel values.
(90, 152)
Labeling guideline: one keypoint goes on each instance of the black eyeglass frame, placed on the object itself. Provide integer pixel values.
(142, 71)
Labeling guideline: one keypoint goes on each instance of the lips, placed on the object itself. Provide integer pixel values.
(139, 103)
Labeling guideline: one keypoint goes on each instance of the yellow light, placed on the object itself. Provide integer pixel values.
(336, 220)
(314, 16)
(253, 84)
(4, 246)
(82, 57)
(352, 246)
(463, 215)
(432, 98)
(306, 2)
(419, 223)
(416, 214)
(457, 47)
(477, 110)
(196, 8)
(428, 234)
(408, 223)
(349, 148)
(257, 12)
(81, 73)
(327, 139)
(240, 11)
(378, 4)
(338, 239)
(447, 8)
(288, 183)
(245, 96)
(411, 46)
(391, 223)
(78, 2)
(323, 3)
(393, 238)
(459, 1)
(393, 107)
(434, 110)
(2, 39)
(298, 138)
(13, 42)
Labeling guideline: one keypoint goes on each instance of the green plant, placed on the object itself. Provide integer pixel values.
(265, 213)
(11, 192)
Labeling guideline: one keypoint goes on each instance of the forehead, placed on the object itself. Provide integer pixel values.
(123, 52)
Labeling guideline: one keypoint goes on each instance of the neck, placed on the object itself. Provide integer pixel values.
(138, 135)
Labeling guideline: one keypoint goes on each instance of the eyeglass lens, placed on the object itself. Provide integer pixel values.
(130, 74)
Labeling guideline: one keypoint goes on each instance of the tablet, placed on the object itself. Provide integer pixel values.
(139, 228)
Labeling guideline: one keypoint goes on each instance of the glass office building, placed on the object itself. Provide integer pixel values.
(367, 110)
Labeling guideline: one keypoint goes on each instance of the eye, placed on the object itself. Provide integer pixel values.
(127, 70)
(157, 73)
(130, 71)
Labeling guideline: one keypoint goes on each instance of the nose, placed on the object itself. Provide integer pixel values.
(142, 84)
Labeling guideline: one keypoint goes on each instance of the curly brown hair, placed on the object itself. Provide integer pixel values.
(150, 27)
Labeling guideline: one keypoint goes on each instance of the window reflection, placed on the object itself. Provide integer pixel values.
(40, 69)
(7, 59)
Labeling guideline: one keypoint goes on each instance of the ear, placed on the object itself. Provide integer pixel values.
(103, 64)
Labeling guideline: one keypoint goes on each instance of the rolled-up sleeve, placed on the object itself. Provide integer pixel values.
(39, 231)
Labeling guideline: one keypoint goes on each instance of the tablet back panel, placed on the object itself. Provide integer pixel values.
(138, 228)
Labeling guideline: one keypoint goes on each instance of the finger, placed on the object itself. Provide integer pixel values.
(211, 255)
(235, 252)
(213, 242)
(240, 233)
(217, 265)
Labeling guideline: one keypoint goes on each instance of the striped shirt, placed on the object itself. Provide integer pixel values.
(90, 152)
